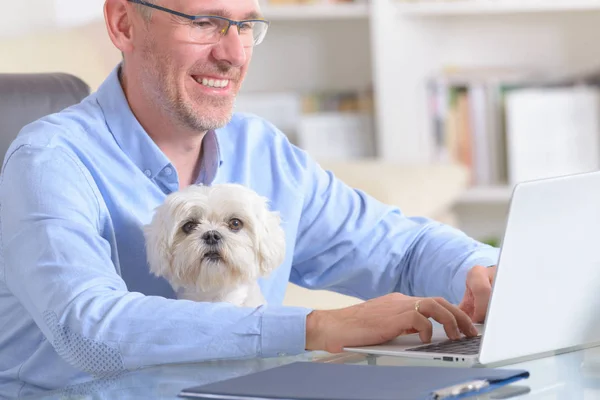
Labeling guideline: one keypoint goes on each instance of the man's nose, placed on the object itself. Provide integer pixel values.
(230, 48)
(211, 237)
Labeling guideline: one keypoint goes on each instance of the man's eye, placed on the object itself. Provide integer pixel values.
(189, 226)
(246, 26)
(206, 23)
(235, 224)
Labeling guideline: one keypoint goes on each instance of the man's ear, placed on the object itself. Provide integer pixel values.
(118, 16)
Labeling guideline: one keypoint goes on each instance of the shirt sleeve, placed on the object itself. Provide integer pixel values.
(58, 264)
(350, 243)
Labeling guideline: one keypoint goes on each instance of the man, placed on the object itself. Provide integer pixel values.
(76, 297)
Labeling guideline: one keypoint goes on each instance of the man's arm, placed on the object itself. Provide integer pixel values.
(351, 243)
(58, 265)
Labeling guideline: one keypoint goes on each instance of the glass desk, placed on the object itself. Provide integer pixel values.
(568, 376)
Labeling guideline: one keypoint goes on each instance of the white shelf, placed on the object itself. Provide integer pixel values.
(467, 7)
(486, 195)
(316, 11)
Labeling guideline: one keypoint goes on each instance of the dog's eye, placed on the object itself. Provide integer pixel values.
(235, 224)
(189, 227)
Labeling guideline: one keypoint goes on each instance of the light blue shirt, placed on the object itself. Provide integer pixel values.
(77, 300)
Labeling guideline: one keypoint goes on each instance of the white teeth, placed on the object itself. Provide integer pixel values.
(216, 83)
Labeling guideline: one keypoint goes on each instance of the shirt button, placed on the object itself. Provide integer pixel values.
(168, 171)
(148, 173)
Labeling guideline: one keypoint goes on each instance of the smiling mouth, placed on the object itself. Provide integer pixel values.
(211, 83)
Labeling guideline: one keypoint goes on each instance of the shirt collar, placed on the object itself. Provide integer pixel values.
(137, 144)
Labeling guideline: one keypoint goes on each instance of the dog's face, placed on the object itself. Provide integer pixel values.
(214, 238)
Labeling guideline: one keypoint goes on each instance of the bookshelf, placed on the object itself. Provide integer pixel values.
(481, 7)
(414, 41)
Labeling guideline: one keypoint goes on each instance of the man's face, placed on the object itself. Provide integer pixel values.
(177, 72)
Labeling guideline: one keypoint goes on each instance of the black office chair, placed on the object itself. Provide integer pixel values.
(25, 98)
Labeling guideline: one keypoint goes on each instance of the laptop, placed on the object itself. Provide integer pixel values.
(545, 296)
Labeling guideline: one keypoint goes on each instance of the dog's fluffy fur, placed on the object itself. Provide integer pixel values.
(212, 243)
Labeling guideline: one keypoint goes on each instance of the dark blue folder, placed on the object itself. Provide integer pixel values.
(321, 381)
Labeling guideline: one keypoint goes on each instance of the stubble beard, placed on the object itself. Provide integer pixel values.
(162, 87)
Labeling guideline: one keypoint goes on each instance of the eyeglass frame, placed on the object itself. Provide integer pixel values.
(238, 24)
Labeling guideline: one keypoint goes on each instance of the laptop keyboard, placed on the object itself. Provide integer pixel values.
(463, 346)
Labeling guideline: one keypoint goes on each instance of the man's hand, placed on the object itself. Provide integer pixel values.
(382, 319)
(477, 295)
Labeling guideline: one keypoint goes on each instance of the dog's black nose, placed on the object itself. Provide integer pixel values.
(211, 237)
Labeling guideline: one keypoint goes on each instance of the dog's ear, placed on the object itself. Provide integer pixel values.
(158, 239)
(271, 241)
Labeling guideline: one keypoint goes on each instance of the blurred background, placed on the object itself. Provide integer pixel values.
(436, 106)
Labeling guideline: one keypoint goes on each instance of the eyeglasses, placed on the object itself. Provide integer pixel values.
(208, 29)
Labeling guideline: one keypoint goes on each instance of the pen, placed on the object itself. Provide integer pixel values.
(459, 389)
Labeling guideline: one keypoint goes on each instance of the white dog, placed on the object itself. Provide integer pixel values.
(212, 243)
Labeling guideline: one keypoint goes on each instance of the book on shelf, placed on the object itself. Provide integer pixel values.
(466, 108)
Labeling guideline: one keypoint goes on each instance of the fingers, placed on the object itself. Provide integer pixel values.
(479, 282)
(465, 325)
(415, 322)
(431, 308)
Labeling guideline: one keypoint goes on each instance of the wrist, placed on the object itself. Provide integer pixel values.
(314, 333)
